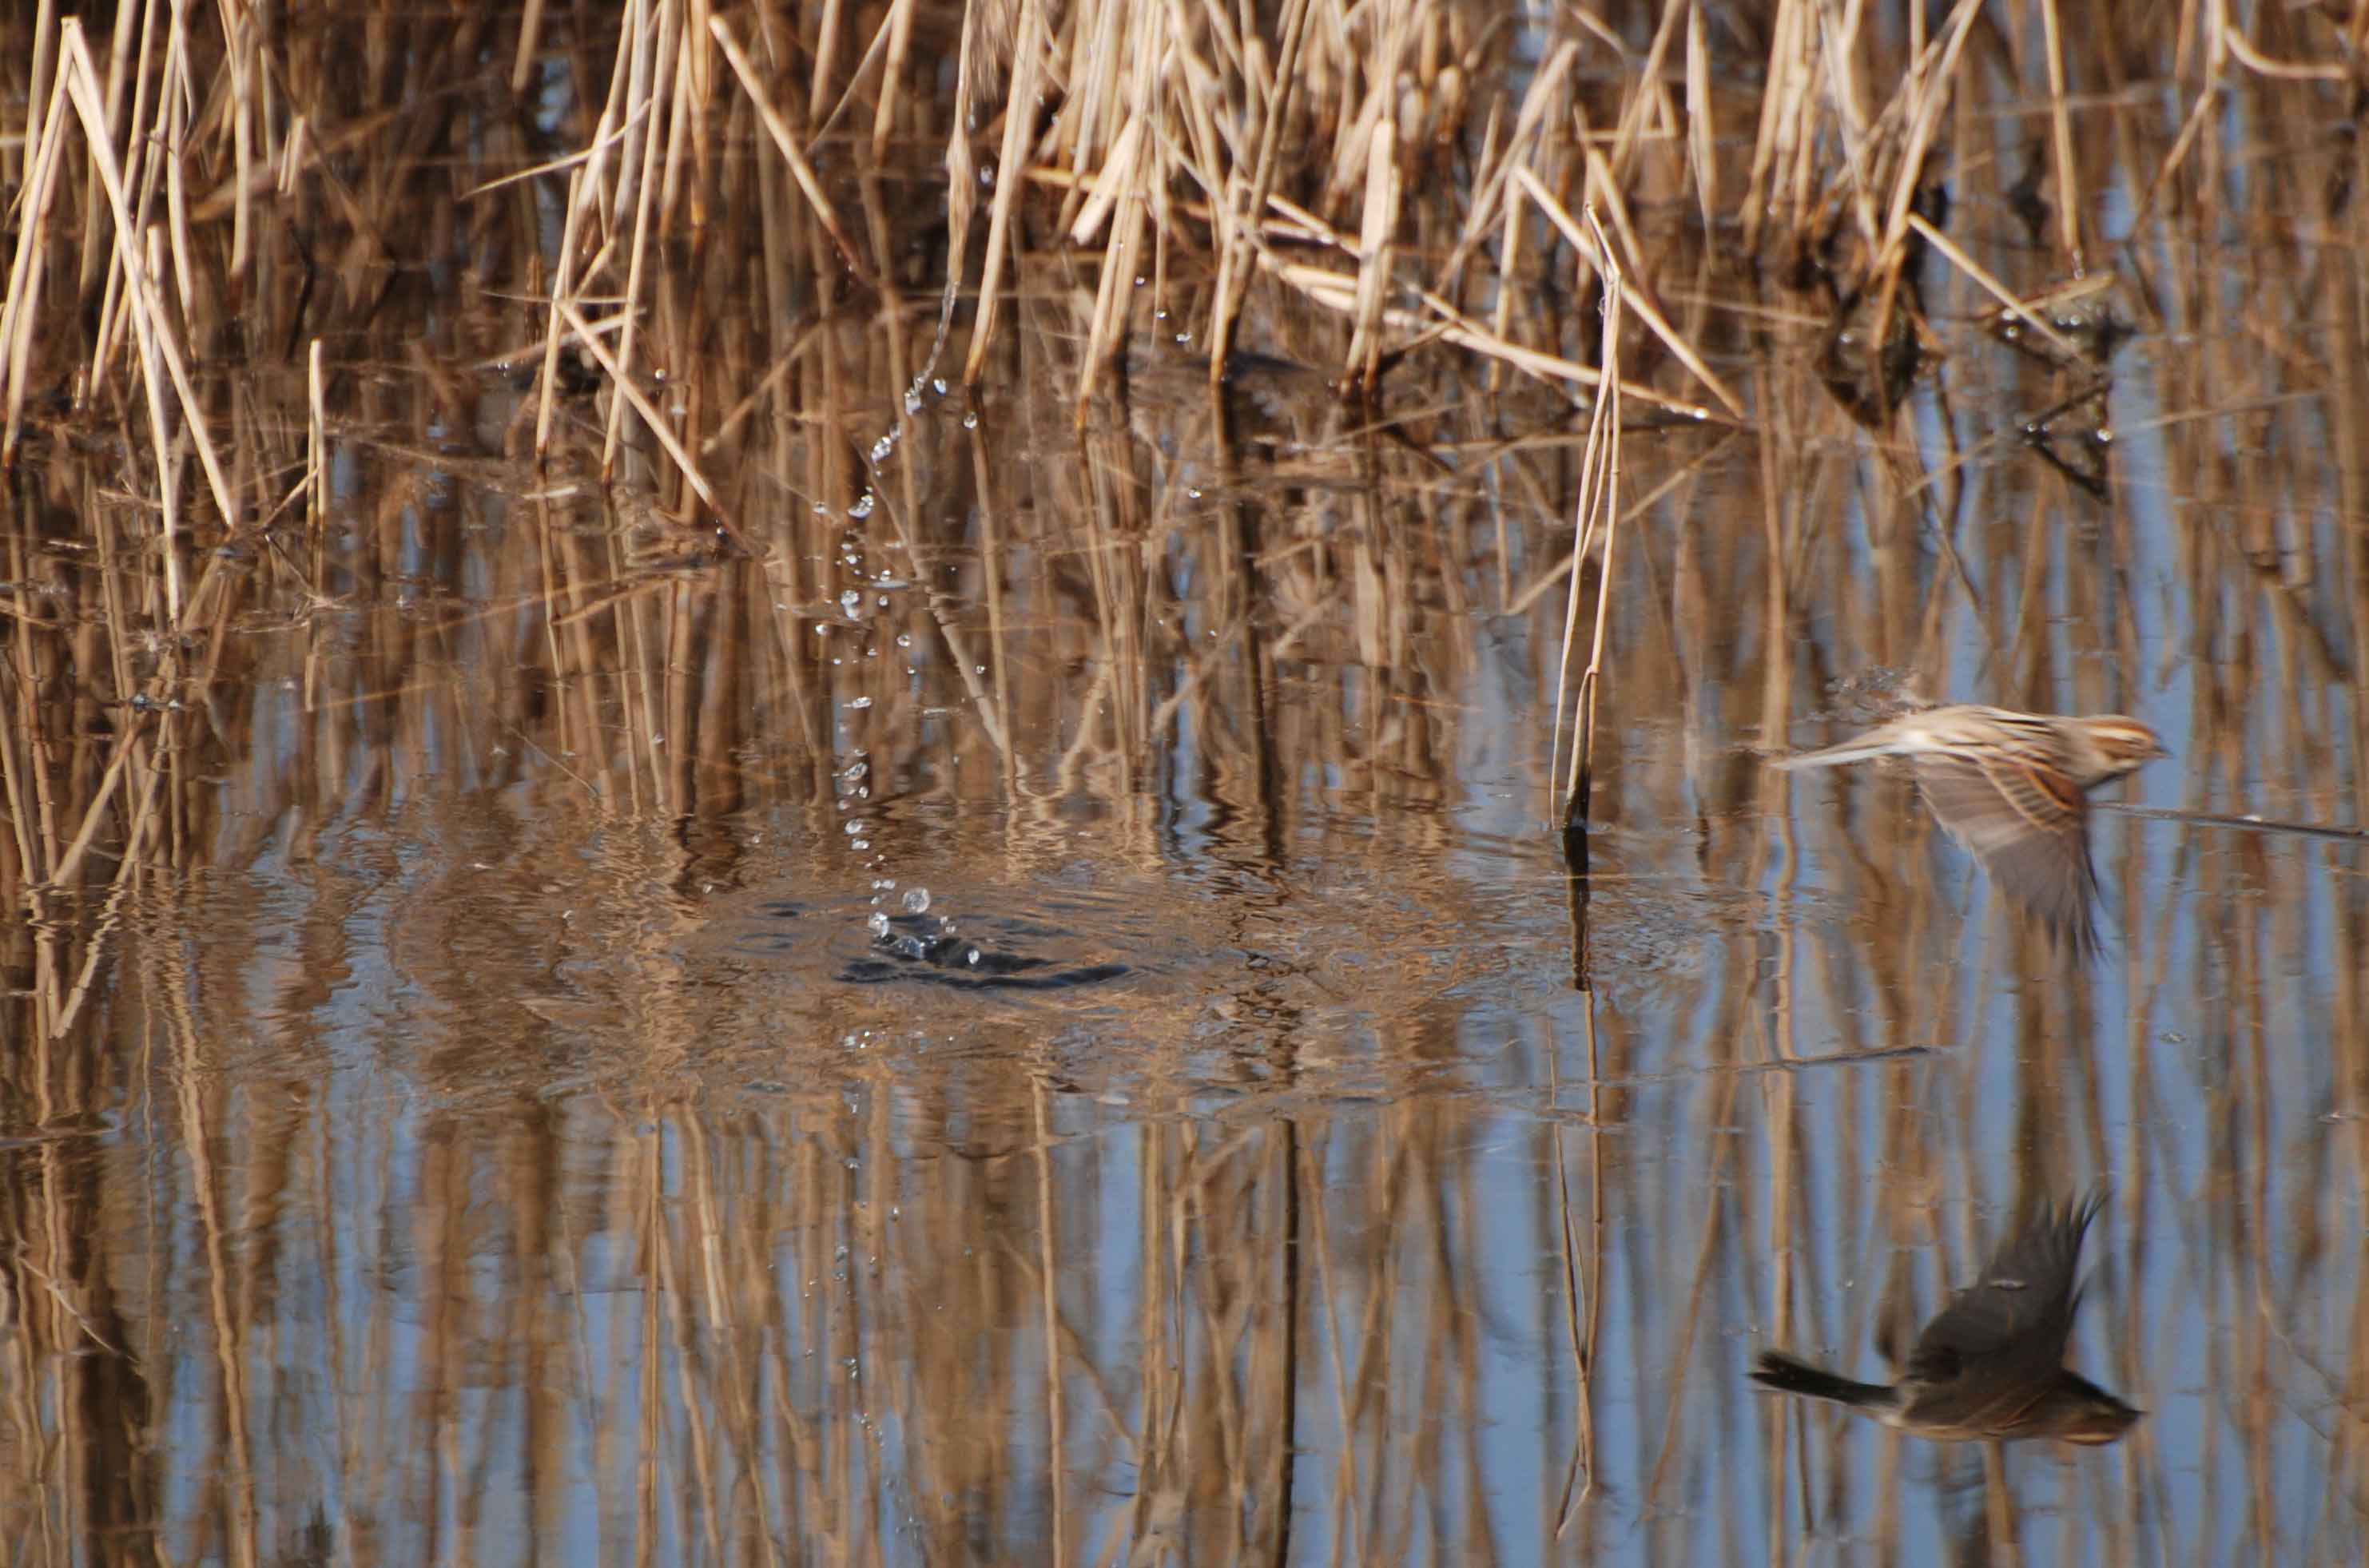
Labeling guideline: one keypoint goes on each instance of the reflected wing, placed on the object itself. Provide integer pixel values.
(2011, 1326)
(2028, 825)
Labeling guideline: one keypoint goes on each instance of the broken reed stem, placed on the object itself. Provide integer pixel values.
(1599, 496)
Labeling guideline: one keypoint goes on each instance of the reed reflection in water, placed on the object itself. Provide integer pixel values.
(455, 1107)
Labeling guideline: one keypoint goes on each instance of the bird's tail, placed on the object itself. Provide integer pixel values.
(1787, 1375)
(1832, 756)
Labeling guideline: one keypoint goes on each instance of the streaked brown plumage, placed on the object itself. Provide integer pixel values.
(1991, 1364)
(2014, 789)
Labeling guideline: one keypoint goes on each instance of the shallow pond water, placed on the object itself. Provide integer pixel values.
(1033, 1010)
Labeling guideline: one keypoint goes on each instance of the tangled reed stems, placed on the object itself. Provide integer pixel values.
(201, 197)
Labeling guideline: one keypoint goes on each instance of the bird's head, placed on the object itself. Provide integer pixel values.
(2084, 1413)
(2120, 744)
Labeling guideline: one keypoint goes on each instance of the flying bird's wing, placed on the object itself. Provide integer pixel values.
(1998, 1347)
(2028, 825)
(2019, 1315)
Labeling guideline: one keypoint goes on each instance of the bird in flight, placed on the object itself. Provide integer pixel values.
(1991, 1364)
(2013, 787)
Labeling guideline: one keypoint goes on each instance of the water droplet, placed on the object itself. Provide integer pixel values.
(904, 639)
(917, 900)
(878, 922)
(863, 507)
(970, 421)
(850, 603)
(859, 703)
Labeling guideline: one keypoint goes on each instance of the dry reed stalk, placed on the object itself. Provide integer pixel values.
(38, 84)
(787, 144)
(530, 40)
(1785, 99)
(1603, 189)
(142, 154)
(662, 43)
(586, 199)
(1852, 128)
(94, 249)
(636, 73)
(1923, 95)
(660, 425)
(1583, 1340)
(1381, 217)
(1598, 507)
(1647, 98)
(1702, 136)
(1237, 241)
(2068, 181)
(1083, 136)
(876, 58)
(1645, 311)
(1545, 102)
(893, 75)
(1349, 168)
(18, 313)
(1130, 164)
(562, 284)
(825, 55)
(2223, 32)
(1048, 1291)
(1990, 285)
(157, 339)
(1337, 291)
(180, 92)
(317, 456)
(1019, 119)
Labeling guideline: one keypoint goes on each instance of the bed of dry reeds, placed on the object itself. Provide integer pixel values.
(622, 420)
